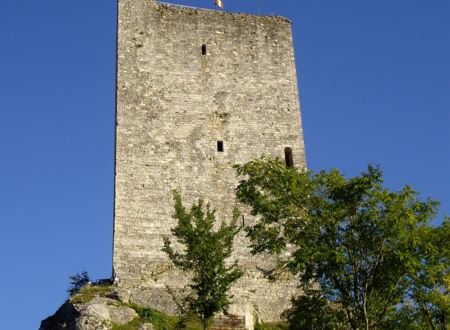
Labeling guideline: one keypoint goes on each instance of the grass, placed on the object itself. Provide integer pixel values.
(133, 325)
(159, 320)
(271, 326)
(274, 326)
(88, 293)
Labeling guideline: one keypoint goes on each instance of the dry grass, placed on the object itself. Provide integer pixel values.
(88, 293)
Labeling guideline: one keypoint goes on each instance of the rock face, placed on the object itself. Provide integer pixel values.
(100, 313)
(107, 307)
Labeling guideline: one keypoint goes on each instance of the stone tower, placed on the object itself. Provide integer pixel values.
(197, 91)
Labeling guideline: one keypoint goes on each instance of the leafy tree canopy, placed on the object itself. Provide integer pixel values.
(368, 257)
(204, 256)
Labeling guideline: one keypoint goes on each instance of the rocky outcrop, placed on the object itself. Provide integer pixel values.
(96, 313)
(104, 306)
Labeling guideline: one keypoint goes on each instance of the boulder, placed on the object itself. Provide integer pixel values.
(97, 314)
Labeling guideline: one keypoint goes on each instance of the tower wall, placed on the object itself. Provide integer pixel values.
(173, 105)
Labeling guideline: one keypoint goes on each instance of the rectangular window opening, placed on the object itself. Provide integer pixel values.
(220, 146)
(288, 157)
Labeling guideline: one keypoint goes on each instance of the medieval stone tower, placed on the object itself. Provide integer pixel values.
(197, 91)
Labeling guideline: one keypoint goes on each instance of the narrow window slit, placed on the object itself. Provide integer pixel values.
(203, 49)
(288, 157)
(220, 146)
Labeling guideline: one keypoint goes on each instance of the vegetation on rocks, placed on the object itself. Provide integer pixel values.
(77, 282)
(88, 292)
(159, 320)
(135, 324)
(270, 326)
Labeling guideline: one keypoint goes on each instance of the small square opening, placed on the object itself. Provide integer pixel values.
(220, 146)
(203, 49)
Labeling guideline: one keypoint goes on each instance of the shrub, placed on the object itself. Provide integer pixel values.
(77, 282)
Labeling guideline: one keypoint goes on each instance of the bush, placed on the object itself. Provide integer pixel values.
(77, 282)
(270, 326)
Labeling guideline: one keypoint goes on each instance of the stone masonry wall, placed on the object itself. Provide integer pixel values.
(173, 105)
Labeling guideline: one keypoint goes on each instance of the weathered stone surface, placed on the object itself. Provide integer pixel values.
(122, 315)
(146, 326)
(65, 318)
(157, 298)
(174, 104)
(97, 314)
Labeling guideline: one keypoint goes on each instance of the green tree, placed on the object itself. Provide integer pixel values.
(204, 256)
(431, 285)
(360, 249)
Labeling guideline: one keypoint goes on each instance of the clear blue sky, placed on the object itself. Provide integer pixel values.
(374, 79)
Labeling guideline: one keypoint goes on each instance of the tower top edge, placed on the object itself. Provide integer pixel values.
(192, 9)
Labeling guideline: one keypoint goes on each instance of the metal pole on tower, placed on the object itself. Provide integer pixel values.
(259, 9)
